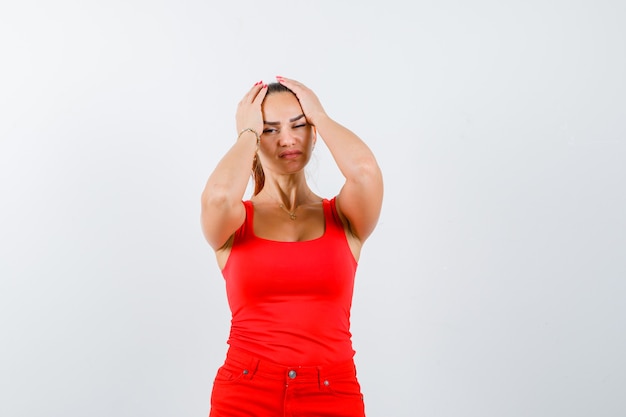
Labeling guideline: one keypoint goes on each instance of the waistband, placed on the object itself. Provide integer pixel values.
(256, 366)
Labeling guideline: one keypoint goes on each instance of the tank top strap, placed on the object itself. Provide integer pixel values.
(333, 222)
(247, 225)
(249, 212)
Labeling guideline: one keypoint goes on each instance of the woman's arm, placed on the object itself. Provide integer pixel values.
(360, 198)
(222, 208)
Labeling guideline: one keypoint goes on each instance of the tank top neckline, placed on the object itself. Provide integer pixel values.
(325, 206)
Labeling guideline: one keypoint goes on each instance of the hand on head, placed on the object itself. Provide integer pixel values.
(249, 111)
(311, 105)
(249, 114)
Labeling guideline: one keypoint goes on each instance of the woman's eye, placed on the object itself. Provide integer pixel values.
(302, 125)
(269, 130)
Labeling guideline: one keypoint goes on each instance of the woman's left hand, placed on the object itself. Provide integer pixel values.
(309, 102)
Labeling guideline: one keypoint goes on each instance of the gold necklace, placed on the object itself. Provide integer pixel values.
(292, 214)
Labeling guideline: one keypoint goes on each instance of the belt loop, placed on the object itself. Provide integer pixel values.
(319, 377)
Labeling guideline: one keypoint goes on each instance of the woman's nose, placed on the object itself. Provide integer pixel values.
(286, 138)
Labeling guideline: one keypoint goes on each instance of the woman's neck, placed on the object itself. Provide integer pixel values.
(289, 192)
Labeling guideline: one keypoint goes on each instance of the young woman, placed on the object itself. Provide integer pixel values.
(289, 258)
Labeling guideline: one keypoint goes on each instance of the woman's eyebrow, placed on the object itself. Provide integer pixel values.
(293, 119)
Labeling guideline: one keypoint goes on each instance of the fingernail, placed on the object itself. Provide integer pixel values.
(264, 85)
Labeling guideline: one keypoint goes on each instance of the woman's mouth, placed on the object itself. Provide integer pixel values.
(290, 154)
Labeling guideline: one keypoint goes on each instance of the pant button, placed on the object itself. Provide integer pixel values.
(292, 374)
(326, 383)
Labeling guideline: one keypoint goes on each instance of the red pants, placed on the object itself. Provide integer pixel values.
(248, 387)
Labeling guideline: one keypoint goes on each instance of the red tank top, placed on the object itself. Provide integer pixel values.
(290, 301)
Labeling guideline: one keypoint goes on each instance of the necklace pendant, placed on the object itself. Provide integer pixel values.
(292, 214)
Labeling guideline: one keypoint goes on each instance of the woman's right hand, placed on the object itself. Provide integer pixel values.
(249, 115)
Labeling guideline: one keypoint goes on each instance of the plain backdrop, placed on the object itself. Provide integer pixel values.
(494, 285)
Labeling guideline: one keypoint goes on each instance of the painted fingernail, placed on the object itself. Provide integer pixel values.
(264, 85)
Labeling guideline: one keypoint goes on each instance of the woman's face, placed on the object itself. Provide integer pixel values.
(287, 139)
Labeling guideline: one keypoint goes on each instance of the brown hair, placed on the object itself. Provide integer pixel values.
(258, 175)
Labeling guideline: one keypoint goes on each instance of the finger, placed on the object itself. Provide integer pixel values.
(258, 99)
(293, 85)
(252, 93)
(286, 80)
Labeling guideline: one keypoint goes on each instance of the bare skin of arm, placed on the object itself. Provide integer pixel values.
(360, 199)
(222, 208)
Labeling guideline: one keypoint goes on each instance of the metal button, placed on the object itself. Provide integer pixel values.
(326, 383)
(245, 372)
(292, 374)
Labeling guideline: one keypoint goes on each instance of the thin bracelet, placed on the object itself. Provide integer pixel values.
(249, 129)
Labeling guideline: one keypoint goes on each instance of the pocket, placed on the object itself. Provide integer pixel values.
(344, 387)
(229, 374)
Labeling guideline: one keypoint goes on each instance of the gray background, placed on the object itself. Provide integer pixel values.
(493, 286)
